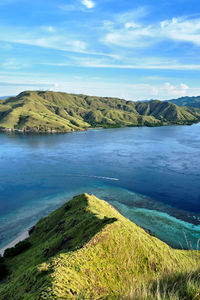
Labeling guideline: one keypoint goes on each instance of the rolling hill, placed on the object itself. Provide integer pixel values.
(87, 250)
(38, 111)
(187, 101)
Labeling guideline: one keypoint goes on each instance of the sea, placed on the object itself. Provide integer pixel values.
(151, 175)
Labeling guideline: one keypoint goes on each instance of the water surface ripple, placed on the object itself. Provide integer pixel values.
(152, 175)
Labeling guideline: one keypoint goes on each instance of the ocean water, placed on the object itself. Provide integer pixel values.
(151, 175)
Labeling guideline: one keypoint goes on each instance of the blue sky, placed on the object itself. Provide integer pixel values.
(128, 49)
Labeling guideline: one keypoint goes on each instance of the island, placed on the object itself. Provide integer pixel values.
(50, 112)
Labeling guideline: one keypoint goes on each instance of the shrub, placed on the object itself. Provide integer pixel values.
(3, 269)
(19, 247)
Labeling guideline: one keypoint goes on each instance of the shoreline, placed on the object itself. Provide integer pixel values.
(26, 234)
(20, 238)
(53, 131)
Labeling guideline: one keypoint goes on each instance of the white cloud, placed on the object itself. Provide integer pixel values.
(155, 92)
(130, 37)
(55, 42)
(88, 3)
(77, 6)
(46, 37)
(103, 63)
(49, 37)
(15, 87)
(13, 64)
(184, 86)
(177, 91)
(131, 15)
(96, 86)
(181, 30)
(77, 45)
(129, 25)
(55, 87)
(125, 32)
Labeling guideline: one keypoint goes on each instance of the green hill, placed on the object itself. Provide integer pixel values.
(87, 250)
(5, 97)
(39, 111)
(187, 101)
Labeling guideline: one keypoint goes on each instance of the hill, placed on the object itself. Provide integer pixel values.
(187, 101)
(5, 97)
(87, 250)
(38, 111)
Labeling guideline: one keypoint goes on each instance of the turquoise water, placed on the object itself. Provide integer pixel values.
(152, 175)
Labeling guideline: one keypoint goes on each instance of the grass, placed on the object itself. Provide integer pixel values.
(38, 111)
(87, 250)
(187, 101)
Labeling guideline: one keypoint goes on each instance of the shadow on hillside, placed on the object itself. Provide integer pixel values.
(67, 229)
(76, 226)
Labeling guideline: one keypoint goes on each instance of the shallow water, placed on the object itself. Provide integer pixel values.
(152, 175)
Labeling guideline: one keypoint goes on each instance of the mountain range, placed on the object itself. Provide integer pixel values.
(39, 111)
(187, 101)
(5, 97)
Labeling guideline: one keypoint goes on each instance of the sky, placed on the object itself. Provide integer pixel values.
(137, 50)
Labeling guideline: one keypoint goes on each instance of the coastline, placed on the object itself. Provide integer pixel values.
(20, 238)
(153, 211)
(53, 131)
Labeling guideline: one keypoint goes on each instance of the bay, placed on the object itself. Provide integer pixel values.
(151, 175)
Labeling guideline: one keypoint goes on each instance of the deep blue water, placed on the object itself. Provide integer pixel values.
(152, 175)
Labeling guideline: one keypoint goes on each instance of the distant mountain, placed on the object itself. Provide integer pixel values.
(186, 101)
(39, 111)
(87, 250)
(5, 97)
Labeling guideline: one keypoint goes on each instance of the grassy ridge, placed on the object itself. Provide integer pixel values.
(61, 112)
(187, 101)
(88, 250)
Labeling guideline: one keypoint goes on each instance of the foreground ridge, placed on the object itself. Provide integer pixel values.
(87, 250)
(39, 111)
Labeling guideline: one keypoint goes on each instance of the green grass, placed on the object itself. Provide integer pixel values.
(187, 101)
(87, 250)
(38, 111)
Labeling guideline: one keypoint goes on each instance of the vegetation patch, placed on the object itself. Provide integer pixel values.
(36, 111)
(3, 269)
(87, 250)
(17, 249)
